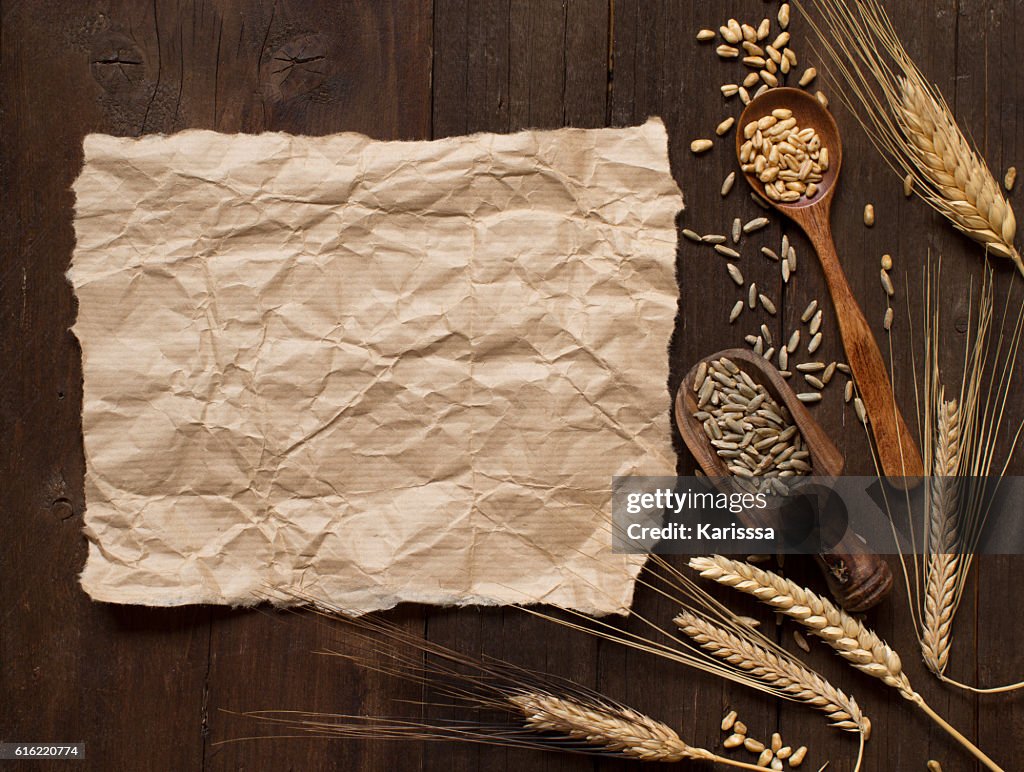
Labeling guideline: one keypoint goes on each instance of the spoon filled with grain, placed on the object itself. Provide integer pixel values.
(790, 151)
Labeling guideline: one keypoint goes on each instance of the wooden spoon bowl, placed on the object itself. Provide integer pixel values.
(809, 113)
(897, 452)
(858, 579)
(826, 460)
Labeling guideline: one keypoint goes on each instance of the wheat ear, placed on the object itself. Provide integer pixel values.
(941, 572)
(849, 637)
(958, 182)
(910, 123)
(789, 677)
(618, 730)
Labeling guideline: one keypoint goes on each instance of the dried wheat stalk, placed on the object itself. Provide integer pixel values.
(952, 176)
(941, 571)
(762, 665)
(959, 437)
(549, 712)
(910, 123)
(790, 676)
(854, 642)
(849, 637)
(618, 730)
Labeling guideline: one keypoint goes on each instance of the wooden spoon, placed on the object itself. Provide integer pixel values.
(897, 450)
(857, 578)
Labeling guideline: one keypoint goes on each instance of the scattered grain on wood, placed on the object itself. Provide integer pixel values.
(784, 16)
(752, 745)
(727, 183)
(737, 309)
(755, 225)
(809, 311)
(733, 741)
(887, 283)
(860, 410)
(808, 77)
(814, 381)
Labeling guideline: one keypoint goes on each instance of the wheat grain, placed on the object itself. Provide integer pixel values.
(788, 676)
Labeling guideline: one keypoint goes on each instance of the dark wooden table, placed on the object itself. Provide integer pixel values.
(147, 689)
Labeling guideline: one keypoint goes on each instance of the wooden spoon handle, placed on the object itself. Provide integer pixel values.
(897, 451)
(858, 579)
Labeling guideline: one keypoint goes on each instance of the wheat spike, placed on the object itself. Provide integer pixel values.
(787, 676)
(959, 183)
(617, 730)
(943, 534)
(910, 123)
(849, 637)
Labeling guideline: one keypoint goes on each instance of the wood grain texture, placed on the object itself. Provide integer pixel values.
(150, 688)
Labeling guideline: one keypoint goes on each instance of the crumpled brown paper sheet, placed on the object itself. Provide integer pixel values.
(375, 371)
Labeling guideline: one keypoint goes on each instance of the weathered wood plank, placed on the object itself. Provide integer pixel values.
(77, 670)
